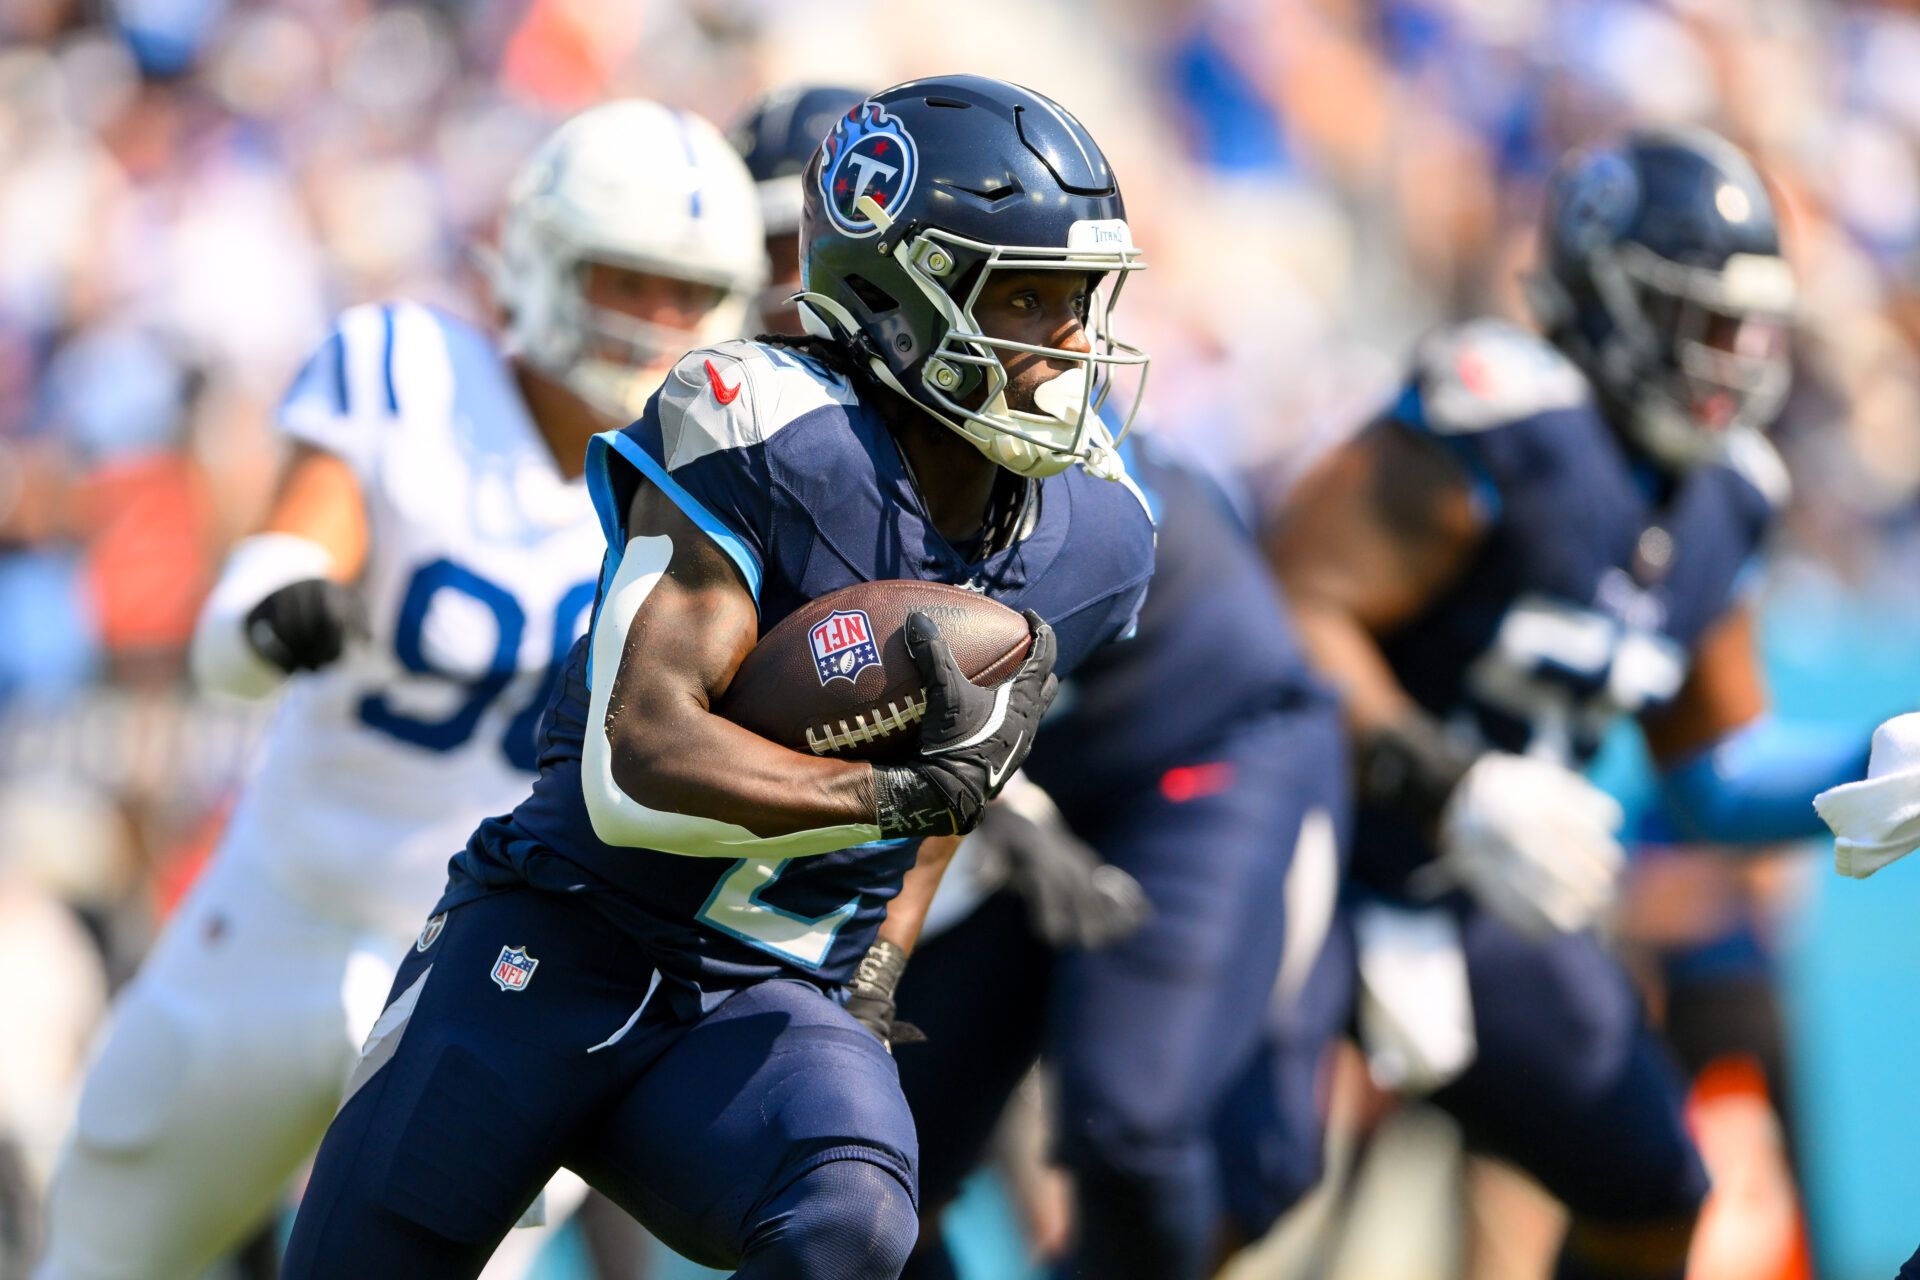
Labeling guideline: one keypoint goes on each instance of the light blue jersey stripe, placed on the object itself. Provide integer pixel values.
(612, 523)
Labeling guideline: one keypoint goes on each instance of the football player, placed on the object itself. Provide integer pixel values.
(1151, 1197)
(1200, 757)
(777, 135)
(423, 572)
(636, 973)
(1546, 534)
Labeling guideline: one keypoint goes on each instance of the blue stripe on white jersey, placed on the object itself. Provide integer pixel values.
(386, 358)
(693, 160)
(478, 577)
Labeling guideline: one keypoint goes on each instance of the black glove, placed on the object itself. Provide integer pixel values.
(1073, 897)
(971, 739)
(870, 995)
(304, 626)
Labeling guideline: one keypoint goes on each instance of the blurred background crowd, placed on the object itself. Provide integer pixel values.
(190, 188)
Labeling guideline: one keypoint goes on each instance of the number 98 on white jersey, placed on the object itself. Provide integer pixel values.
(480, 575)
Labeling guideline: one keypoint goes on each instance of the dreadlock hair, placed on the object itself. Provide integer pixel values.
(834, 355)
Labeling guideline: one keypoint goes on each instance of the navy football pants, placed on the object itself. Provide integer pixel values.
(1570, 1083)
(1145, 1037)
(768, 1135)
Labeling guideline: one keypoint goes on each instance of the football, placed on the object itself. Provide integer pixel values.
(835, 678)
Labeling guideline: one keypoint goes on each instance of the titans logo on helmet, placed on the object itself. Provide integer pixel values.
(869, 153)
(1602, 196)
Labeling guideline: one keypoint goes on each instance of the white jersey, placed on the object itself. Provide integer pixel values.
(480, 574)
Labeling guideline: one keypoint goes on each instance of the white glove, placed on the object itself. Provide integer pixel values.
(1532, 841)
(1877, 821)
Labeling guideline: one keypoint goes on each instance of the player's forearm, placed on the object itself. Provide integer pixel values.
(1757, 784)
(870, 995)
(703, 765)
(1347, 655)
(1405, 760)
(907, 913)
(698, 815)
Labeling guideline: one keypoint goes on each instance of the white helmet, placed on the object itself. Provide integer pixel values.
(637, 185)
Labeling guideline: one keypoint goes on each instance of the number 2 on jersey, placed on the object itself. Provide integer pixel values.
(510, 620)
(735, 907)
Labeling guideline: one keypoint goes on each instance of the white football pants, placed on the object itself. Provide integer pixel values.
(219, 1069)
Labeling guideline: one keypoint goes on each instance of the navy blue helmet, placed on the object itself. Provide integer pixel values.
(913, 200)
(1663, 278)
(778, 134)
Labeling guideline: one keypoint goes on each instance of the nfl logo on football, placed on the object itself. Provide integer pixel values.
(514, 969)
(842, 644)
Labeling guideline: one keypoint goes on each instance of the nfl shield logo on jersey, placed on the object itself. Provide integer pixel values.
(842, 644)
(514, 969)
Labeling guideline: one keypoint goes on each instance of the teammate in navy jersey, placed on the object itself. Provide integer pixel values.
(635, 973)
(776, 136)
(1540, 538)
(1200, 757)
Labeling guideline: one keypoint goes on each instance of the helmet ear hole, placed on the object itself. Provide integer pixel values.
(875, 299)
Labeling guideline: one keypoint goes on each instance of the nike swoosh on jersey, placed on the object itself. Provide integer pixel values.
(721, 392)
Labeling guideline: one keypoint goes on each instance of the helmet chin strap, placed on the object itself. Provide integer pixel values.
(1664, 431)
(1060, 399)
(1022, 457)
(824, 318)
(1067, 400)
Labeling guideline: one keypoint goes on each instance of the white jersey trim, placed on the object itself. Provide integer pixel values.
(1487, 373)
(764, 389)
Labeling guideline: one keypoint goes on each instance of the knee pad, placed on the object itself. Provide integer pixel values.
(132, 1089)
(847, 1219)
(1135, 1138)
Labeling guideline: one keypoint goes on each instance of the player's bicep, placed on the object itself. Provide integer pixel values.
(679, 617)
(1378, 528)
(320, 500)
(1725, 691)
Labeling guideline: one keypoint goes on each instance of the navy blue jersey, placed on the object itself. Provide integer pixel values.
(1595, 579)
(799, 481)
(1213, 649)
